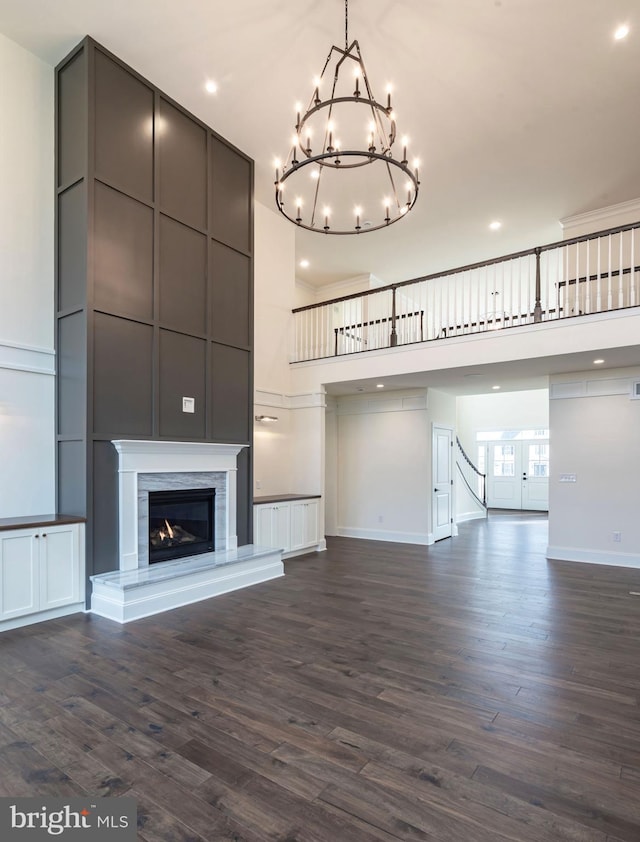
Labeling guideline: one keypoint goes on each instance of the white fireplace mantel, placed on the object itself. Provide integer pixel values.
(144, 457)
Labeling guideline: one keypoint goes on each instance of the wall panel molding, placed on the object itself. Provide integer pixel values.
(591, 388)
(27, 358)
(281, 400)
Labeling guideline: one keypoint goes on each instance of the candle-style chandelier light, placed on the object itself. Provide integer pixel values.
(341, 175)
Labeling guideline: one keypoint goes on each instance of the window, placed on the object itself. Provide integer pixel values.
(538, 460)
(504, 460)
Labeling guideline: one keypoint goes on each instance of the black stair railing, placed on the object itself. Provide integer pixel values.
(472, 476)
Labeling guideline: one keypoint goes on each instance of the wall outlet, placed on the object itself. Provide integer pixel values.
(188, 404)
(380, 518)
(617, 537)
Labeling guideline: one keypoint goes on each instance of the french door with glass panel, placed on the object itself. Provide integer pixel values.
(518, 474)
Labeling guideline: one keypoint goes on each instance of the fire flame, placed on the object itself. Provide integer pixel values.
(169, 533)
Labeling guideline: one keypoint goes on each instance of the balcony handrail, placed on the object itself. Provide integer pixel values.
(592, 273)
(530, 252)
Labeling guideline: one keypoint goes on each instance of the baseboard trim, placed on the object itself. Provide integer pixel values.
(386, 535)
(320, 547)
(470, 516)
(594, 557)
(41, 616)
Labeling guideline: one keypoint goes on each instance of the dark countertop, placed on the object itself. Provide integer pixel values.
(33, 521)
(283, 498)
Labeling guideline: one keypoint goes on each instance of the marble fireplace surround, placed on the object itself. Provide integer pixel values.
(145, 466)
(138, 589)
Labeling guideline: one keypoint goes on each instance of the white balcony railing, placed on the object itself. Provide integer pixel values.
(590, 274)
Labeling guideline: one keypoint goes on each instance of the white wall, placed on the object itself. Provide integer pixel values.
(383, 468)
(595, 435)
(289, 454)
(26, 283)
(503, 411)
(331, 467)
(274, 281)
(307, 294)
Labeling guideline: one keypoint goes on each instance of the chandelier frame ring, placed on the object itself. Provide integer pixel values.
(372, 156)
(329, 103)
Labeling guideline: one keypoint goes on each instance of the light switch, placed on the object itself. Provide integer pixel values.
(568, 478)
(188, 404)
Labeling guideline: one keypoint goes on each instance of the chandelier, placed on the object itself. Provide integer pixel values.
(341, 175)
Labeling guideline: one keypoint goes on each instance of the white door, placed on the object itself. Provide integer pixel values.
(442, 461)
(518, 475)
(535, 475)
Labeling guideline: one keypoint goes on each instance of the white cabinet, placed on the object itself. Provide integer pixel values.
(41, 573)
(304, 524)
(273, 525)
(20, 567)
(291, 525)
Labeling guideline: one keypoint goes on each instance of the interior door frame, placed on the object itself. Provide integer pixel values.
(453, 531)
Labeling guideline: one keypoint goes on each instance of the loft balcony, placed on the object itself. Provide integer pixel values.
(591, 274)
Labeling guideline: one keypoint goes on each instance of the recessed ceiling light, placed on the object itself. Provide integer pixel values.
(495, 225)
(211, 87)
(495, 387)
(379, 385)
(621, 32)
(304, 264)
(598, 362)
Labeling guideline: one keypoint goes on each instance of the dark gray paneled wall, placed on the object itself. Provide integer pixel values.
(154, 285)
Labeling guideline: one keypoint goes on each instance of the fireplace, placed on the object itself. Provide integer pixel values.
(181, 523)
(147, 470)
(146, 467)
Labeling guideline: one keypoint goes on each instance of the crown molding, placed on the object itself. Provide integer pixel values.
(630, 208)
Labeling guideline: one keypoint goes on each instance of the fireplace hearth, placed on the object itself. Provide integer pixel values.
(139, 589)
(181, 523)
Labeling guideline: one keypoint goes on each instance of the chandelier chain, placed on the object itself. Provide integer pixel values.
(346, 24)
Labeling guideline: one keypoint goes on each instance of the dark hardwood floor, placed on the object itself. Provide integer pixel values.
(468, 692)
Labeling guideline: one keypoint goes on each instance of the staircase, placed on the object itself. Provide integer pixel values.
(474, 480)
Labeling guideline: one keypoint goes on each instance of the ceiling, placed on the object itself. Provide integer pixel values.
(523, 111)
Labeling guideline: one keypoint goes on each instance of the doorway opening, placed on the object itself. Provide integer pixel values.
(516, 463)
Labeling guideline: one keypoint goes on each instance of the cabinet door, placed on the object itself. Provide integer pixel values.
(271, 524)
(304, 524)
(59, 567)
(263, 526)
(19, 571)
(282, 527)
(311, 523)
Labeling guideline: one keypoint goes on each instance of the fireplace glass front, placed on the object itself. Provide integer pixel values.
(181, 523)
